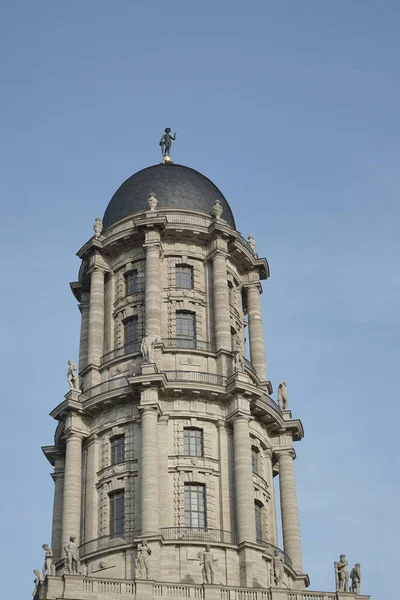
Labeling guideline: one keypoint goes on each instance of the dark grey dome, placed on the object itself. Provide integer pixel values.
(175, 186)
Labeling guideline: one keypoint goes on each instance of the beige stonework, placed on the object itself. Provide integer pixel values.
(198, 444)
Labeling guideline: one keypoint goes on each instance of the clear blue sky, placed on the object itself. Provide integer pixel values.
(292, 109)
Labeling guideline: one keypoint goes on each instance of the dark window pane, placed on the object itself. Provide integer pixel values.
(131, 282)
(117, 449)
(258, 519)
(117, 514)
(184, 276)
(255, 459)
(185, 330)
(132, 334)
(193, 442)
(195, 509)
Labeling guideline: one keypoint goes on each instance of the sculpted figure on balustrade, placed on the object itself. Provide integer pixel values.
(341, 574)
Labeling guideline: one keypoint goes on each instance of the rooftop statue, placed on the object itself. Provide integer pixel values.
(48, 560)
(72, 560)
(72, 377)
(277, 570)
(166, 142)
(355, 576)
(282, 395)
(342, 574)
(142, 569)
(207, 565)
(97, 228)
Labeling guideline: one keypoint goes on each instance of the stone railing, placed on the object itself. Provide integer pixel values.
(196, 377)
(107, 542)
(249, 366)
(188, 344)
(176, 590)
(234, 593)
(197, 534)
(311, 595)
(78, 586)
(107, 586)
(107, 386)
(133, 348)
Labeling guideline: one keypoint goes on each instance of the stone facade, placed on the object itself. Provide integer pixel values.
(194, 283)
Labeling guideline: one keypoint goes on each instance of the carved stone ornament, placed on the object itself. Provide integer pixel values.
(142, 566)
(37, 581)
(97, 227)
(217, 209)
(72, 377)
(152, 201)
(282, 395)
(72, 560)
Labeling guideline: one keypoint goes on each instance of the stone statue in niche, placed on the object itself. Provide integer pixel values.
(252, 243)
(207, 563)
(72, 560)
(48, 560)
(97, 227)
(37, 581)
(217, 209)
(277, 569)
(341, 574)
(166, 142)
(355, 576)
(72, 377)
(147, 347)
(282, 395)
(237, 355)
(152, 201)
(142, 568)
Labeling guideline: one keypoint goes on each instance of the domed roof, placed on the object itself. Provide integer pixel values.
(175, 186)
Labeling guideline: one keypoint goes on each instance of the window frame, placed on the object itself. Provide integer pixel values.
(135, 342)
(184, 274)
(182, 340)
(117, 523)
(255, 460)
(258, 519)
(127, 275)
(193, 439)
(116, 450)
(195, 495)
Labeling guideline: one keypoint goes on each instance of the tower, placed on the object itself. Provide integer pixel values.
(168, 442)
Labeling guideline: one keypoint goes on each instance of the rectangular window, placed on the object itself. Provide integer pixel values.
(131, 327)
(258, 518)
(184, 276)
(185, 329)
(195, 507)
(131, 282)
(117, 444)
(193, 442)
(255, 457)
(117, 514)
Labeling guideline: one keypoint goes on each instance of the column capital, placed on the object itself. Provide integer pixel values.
(73, 433)
(279, 452)
(149, 408)
(252, 285)
(57, 475)
(96, 268)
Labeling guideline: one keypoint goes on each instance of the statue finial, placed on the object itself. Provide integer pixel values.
(166, 143)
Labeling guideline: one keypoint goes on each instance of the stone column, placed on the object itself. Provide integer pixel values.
(222, 322)
(109, 310)
(96, 316)
(256, 332)
(56, 530)
(273, 526)
(71, 521)
(91, 493)
(165, 518)
(84, 337)
(149, 470)
(243, 479)
(289, 509)
(153, 284)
